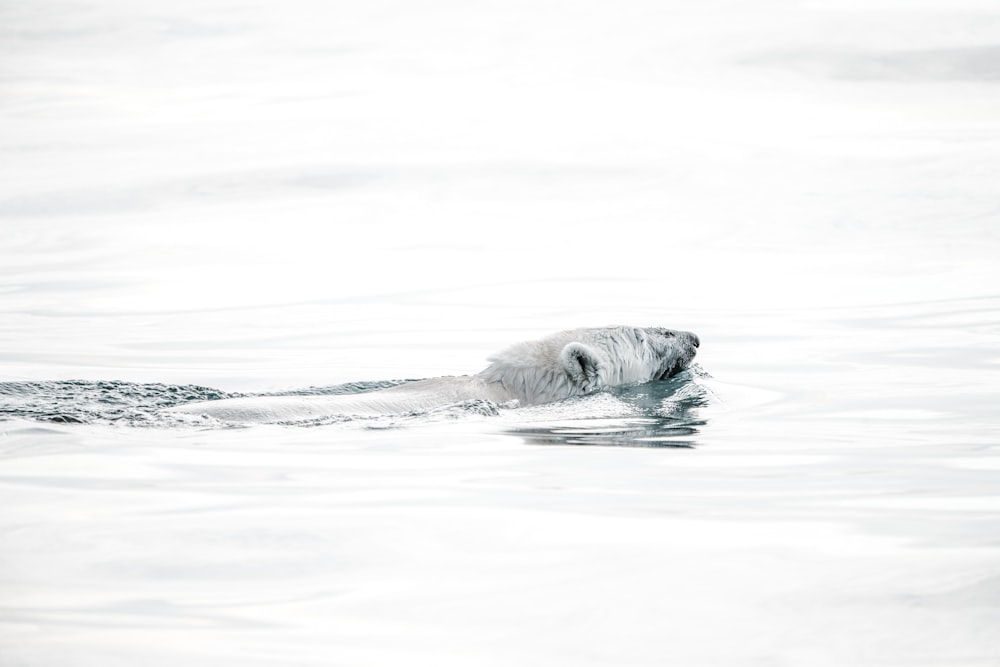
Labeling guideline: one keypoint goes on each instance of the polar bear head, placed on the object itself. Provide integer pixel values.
(580, 361)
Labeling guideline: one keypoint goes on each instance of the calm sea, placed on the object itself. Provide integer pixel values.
(206, 198)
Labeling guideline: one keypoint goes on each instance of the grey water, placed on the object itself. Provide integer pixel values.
(205, 200)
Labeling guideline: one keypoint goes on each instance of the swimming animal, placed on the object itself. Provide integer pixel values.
(565, 364)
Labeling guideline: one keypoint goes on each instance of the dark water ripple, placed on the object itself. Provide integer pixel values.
(657, 414)
(106, 401)
(128, 403)
(627, 433)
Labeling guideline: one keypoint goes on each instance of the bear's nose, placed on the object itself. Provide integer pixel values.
(694, 339)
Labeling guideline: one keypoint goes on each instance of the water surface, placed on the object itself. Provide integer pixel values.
(207, 199)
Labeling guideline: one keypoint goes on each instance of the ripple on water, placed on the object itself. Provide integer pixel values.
(657, 414)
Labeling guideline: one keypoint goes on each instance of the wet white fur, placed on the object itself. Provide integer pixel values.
(569, 363)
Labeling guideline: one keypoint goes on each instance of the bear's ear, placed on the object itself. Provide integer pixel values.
(582, 364)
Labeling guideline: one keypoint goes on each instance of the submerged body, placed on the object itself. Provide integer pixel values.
(569, 363)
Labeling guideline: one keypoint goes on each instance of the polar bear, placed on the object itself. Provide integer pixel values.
(565, 364)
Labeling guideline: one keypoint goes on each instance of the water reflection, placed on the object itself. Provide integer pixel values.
(624, 433)
(657, 414)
